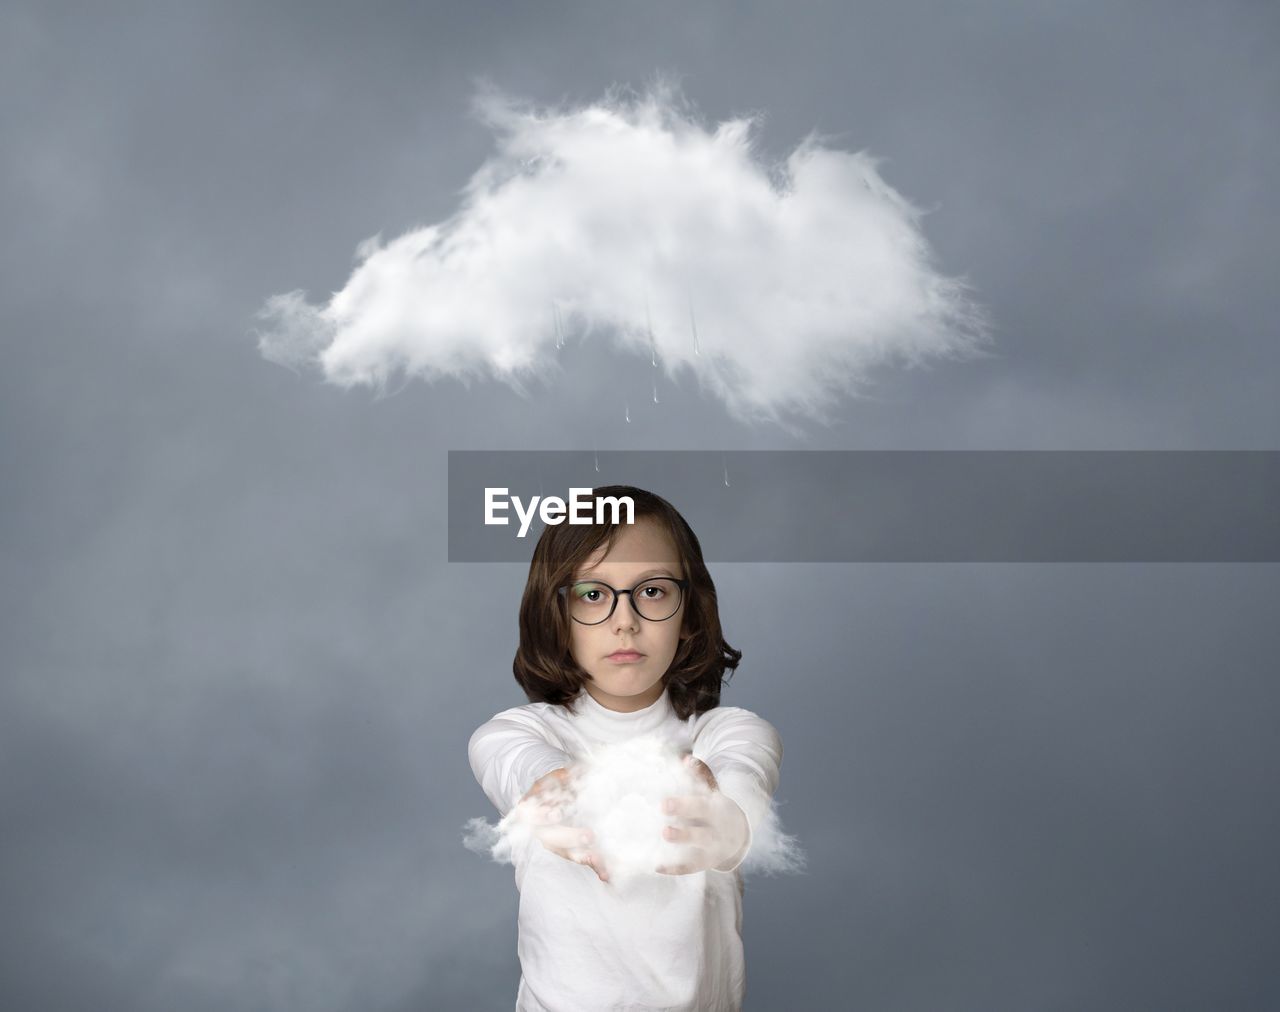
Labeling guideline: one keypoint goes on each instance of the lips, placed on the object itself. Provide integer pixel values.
(625, 655)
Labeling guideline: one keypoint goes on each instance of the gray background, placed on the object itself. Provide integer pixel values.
(239, 676)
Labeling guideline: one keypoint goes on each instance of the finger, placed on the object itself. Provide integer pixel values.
(688, 806)
(564, 837)
(535, 813)
(555, 787)
(592, 860)
(583, 856)
(596, 863)
(574, 849)
(552, 798)
(553, 810)
(549, 810)
(698, 836)
(548, 791)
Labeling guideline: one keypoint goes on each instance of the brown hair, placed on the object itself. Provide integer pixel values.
(544, 666)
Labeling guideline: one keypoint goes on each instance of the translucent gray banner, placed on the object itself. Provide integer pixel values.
(899, 505)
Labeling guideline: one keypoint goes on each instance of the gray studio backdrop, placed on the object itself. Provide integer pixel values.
(239, 673)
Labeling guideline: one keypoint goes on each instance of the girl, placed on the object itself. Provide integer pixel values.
(620, 636)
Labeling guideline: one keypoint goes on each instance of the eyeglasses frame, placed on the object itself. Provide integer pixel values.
(682, 584)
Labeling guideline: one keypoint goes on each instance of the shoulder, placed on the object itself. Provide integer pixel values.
(728, 715)
(528, 713)
(734, 721)
(525, 712)
(535, 717)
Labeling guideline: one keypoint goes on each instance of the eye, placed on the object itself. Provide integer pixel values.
(583, 592)
(654, 591)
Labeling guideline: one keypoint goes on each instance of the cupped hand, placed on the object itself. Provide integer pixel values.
(543, 811)
(711, 825)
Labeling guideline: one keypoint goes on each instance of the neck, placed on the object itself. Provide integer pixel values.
(625, 704)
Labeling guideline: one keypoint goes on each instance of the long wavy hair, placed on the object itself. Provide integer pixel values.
(544, 666)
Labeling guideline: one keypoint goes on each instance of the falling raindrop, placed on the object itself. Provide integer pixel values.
(693, 323)
(648, 327)
(596, 454)
(627, 410)
(559, 325)
(726, 470)
(655, 391)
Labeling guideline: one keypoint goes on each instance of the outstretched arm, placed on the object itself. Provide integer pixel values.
(510, 753)
(713, 828)
(743, 754)
(519, 765)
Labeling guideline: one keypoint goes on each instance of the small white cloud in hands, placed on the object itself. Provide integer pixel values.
(776, 287)
(617, 791)
(619, 796)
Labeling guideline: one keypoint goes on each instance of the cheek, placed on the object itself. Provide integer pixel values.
(578, 644)
(672, 638)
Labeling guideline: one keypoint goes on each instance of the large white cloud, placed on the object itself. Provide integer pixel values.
(629, 220)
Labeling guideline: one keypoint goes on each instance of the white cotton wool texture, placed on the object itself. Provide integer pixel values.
(773, 851)
(619, 797)
(617, 792)
(776, 286)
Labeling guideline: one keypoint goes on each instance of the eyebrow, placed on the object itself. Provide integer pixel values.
(664, 571)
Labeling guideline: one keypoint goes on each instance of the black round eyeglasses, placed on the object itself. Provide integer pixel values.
(591, 602)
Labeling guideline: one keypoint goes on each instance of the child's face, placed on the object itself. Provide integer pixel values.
(640, 550)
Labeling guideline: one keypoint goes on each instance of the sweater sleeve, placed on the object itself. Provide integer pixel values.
(744, 752)
(510, 753)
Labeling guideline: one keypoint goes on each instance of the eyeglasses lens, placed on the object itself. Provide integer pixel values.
(654, 600)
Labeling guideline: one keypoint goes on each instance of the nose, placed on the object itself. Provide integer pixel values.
(624, 616)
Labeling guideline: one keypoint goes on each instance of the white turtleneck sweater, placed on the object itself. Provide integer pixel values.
(669, 942)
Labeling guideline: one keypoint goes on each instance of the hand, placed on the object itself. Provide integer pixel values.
(543, 809)
(712, 825)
